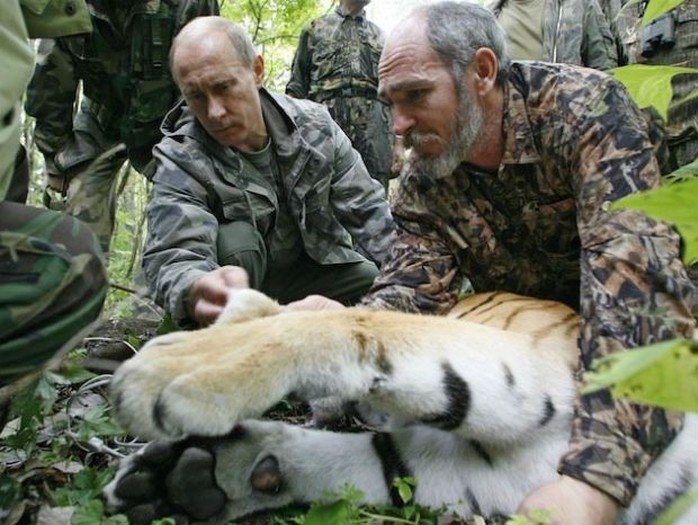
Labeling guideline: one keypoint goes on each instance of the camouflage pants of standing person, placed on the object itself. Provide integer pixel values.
(53, 283)
(367, 123)
(89, 193)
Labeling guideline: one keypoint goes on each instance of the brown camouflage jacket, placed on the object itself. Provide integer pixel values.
(198, 184)
(541, 225)
(336, 51)
(575, 32)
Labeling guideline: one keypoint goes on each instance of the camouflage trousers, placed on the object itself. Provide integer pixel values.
(89, 193)
(52, 286)
(367, 123)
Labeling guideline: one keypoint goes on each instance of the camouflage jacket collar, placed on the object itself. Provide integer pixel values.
(344, 14)
(519, 144)
(289, 145)
(280, 125)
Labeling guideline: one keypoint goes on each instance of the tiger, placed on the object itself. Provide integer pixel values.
(476, 406)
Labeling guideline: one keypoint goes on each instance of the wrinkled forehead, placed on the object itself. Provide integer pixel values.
(407, 57)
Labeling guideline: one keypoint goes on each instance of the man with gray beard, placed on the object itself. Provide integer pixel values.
(513, 168)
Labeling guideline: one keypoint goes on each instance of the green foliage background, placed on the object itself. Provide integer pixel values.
(274, 26)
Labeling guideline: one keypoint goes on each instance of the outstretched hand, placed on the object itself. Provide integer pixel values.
(571, 502)
(208, 294)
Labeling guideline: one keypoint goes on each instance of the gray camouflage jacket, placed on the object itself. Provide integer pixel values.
(575, 32)
(541, 225)
(198, 183)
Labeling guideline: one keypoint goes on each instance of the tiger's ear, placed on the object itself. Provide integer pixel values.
(247, 304)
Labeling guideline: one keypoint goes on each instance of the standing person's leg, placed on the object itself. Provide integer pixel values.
(52, 285)
(19, 187)
(367, 124)
(373, 138)
(91, 195)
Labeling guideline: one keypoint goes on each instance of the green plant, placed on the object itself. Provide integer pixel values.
(535, 517)
(345, 509)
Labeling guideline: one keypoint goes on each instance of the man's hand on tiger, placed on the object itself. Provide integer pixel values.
(208, 294)
(571, 502)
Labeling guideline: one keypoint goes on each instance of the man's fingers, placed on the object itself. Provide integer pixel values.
(206, 312)
(234, 277)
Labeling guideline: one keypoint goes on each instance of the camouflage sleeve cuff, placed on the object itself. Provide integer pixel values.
(612, 464)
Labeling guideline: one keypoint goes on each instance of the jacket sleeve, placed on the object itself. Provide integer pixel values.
(634, 291)
(182, 229)
(599, 49)
(51, 97)
(299, 83)
(422, 274)
(359, 201)
(54, 18)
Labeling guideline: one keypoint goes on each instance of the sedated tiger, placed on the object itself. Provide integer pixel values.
(478, 403)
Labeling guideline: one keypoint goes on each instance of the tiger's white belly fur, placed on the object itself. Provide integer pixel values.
(480, 415)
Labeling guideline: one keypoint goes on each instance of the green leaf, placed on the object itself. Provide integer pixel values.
(97, 422)
(404, 488)
(86, 485)
(90, 513)
(656, 8)
(664, 374)
(674, 203)
(10, 491)
(677, 508)
(650, 85)
(336, 513)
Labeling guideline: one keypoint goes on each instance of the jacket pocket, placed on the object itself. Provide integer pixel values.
(238, 205)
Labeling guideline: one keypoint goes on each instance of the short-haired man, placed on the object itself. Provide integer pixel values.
(254, 189)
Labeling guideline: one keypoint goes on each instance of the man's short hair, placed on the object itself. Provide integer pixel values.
(456, 30)
(241, 41)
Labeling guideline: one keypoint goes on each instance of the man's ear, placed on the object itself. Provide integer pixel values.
(259, 70)
(485, 67)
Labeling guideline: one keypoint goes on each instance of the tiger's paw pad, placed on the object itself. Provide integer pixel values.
(166, 478)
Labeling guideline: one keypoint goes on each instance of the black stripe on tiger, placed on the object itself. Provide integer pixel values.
(473, 503)
(548, 411)
(458, 394)
(481, 451)
(160, 414)
(393, 466)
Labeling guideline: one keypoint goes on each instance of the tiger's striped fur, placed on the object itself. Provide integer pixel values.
(480, 405)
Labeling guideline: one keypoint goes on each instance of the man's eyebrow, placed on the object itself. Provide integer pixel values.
(402, 85)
